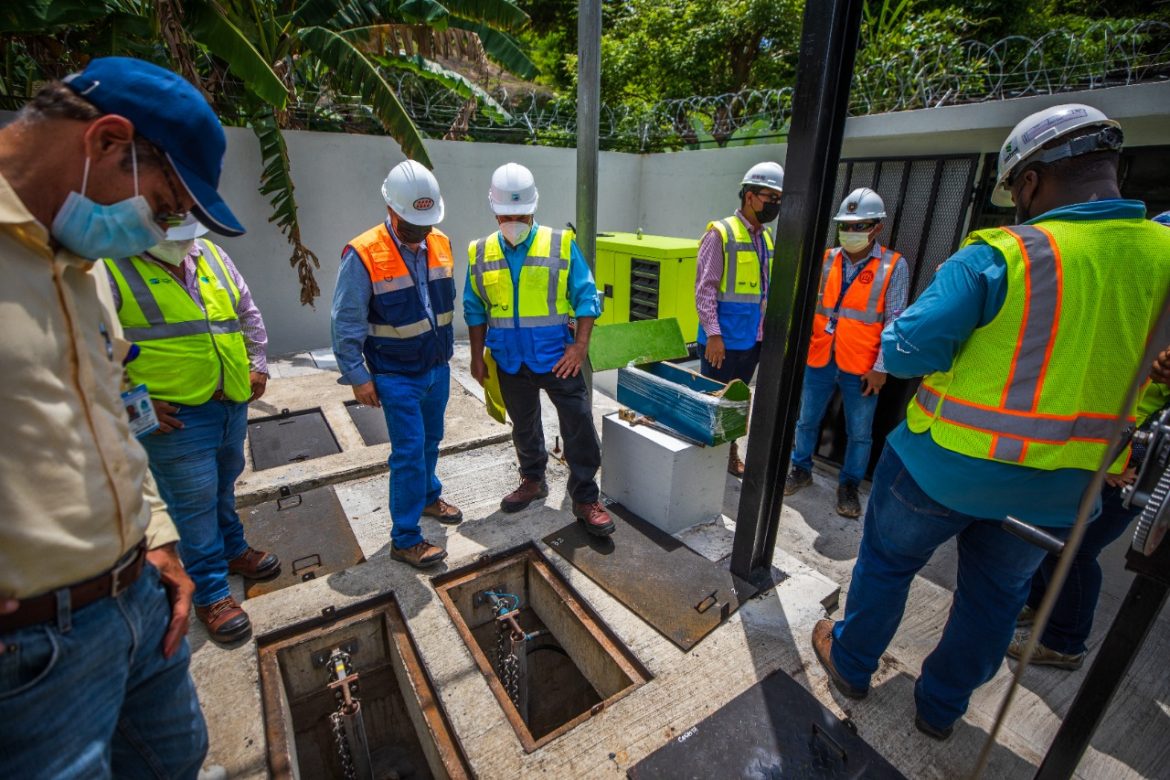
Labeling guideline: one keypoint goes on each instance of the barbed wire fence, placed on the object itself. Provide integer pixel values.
(1016, 66)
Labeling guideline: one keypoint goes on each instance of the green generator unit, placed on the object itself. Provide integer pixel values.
(645, 277)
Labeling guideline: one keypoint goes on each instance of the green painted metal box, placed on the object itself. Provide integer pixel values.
(644, 277)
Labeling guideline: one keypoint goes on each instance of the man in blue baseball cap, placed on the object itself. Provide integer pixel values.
(94, 602)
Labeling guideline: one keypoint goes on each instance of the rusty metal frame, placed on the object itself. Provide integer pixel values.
(597, 628)
(423, 686)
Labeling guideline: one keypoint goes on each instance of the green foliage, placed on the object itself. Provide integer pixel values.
(656, 49)
(902, 50)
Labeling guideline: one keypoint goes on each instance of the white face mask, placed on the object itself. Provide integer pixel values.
(515, 232)
(853, 242)
(172, 252)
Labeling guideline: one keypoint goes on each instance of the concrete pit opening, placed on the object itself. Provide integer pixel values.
(550, 660)
(346, 694)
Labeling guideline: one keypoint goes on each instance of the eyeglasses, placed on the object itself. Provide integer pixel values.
(173, 218)
(856, 227)
(149, 152)
(768, 196)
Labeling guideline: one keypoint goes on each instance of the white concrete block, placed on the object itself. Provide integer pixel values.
(664, 480)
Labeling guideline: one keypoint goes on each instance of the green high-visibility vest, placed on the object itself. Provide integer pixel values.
(544, 280)
(741, 265)
(184, 351)
(1040, 385)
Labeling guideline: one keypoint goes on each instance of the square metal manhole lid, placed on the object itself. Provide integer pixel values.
(290, 437)
(370, 422)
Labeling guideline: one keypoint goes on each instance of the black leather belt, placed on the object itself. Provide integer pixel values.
(43, 608)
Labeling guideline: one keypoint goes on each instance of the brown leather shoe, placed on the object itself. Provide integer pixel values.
(597, 521)
(255, 565)
(822, 642)
(530, 490)
(226, 621)
(443, 512)
(422, 555)
(734, 464)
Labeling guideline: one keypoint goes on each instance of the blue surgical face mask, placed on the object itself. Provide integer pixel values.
(120, 229)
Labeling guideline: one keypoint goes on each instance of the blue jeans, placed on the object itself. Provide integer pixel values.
(1072, 616)
(903, 528)
(91, 696)
(414, 405)
(196, 468)
(819, 384)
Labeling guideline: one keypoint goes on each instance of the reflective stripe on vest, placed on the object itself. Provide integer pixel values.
(732, 247)
(411, 330)
(498, 316)
(1014, 427)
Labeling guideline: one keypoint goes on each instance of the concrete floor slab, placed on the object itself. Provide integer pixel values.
(816, 548)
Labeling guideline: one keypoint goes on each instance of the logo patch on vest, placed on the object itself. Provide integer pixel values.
(423, 204)
(866, 277)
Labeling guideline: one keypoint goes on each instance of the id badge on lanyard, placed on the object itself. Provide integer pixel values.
(143, 420)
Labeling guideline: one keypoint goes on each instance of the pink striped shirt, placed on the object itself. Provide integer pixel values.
(709, 273)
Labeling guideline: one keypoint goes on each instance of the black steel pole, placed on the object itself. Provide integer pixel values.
(828, 45)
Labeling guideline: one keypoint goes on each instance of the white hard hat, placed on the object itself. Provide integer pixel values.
(765, 174)
(513, 190)
(1024, 143)
(188, 230)
(413, 193)
(861, 205)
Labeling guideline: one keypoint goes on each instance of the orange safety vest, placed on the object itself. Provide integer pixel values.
(401, 338)
(857, 338)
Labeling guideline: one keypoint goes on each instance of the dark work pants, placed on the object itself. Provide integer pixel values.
(737, 364)
(521, 393)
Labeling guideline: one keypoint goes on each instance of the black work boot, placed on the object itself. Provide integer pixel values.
(848, 502)
(797, 478)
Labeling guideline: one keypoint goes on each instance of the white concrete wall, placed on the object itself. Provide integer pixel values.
(339, 179)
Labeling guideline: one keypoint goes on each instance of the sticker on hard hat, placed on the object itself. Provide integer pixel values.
(516, 197)
(851, 206)
(1051, 121)
(422, 204)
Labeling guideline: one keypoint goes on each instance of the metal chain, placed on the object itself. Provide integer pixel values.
(347, 768)
(507, 664)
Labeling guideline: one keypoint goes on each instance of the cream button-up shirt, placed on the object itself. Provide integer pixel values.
(72, 476)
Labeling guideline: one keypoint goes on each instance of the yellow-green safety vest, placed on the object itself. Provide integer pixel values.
(741, 264)
(544, 280)
(183, 350)
(1040, 385)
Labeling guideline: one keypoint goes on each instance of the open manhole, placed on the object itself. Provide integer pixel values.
(548, 658)
(290, 437)
(370, 422)
(346, 695)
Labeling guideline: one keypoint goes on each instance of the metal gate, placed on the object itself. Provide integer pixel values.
(927, 201)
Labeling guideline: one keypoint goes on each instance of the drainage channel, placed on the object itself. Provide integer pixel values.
(346, 695)
(548, 658)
